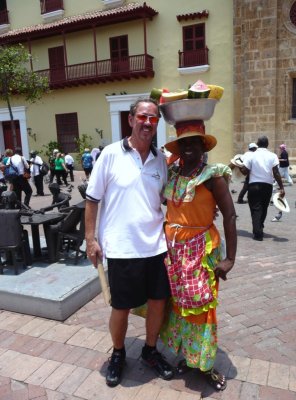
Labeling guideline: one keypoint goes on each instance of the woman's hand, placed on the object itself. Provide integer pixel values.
(222, 268)
(93, 251)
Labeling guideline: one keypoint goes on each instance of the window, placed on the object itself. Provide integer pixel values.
(3, 13)
(195, 51)
(67, 131)
(194, 37)
(294, 99)
(293, 13)
(48, 6)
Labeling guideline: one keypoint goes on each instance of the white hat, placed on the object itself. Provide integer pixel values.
(237, 160)
(253, 146)
(280, 202)
(55, 151)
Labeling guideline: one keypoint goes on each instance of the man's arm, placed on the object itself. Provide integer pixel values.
(277, 177)
(93, 250)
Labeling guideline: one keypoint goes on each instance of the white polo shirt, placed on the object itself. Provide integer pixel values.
(260, 163)
(131, 218)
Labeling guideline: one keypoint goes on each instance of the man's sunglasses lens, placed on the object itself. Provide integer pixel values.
(143, 118)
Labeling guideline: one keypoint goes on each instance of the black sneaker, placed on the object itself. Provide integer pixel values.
(156, 361)
(115, 367)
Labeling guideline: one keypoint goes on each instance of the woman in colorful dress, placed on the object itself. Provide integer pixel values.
(195, 261)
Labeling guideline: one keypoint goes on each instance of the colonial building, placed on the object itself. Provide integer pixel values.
(101, 55)
(265, 73)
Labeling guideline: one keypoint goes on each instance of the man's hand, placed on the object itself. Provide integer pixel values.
(93, 251)
(282, 192)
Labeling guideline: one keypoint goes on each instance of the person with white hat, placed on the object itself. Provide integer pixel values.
(240, 200)
(262, 167)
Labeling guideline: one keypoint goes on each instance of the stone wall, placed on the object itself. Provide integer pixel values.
(264, 65)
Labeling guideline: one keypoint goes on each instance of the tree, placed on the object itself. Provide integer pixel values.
(17, 79)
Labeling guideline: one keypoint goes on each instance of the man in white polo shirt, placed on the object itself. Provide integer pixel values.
(262, 167)
(129, 178)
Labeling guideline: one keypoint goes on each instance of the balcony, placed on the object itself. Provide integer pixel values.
(51, 10)
(193, 61)
(138, 66)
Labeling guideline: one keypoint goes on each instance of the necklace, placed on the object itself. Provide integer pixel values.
(193, 173)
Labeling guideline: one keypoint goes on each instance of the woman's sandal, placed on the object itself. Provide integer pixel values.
(182, 368)
(215, 379)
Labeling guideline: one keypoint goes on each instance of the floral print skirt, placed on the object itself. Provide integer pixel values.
(194, 336)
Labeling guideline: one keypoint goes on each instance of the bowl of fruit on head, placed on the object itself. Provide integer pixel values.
(196, 103)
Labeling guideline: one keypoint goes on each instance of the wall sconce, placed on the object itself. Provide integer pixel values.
(99, 132)
(32, 135)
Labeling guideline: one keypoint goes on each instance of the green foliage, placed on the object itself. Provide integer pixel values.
(49, 148)
(16, 76)
(83, 142)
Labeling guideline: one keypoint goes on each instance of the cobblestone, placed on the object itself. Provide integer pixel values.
(49, 360)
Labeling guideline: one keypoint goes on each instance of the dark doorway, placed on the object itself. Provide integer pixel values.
(7, 135)
(119, 54)
(57, 64)
(126, 130)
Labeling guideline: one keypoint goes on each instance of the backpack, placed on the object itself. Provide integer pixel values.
(10, 171)
(44, 168)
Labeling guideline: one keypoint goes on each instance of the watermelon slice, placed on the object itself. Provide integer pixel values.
(198, 91)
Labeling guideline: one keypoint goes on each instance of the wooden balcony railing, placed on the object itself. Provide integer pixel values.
(193, 58)
(4, 17)
(48, 6)
(100, 71)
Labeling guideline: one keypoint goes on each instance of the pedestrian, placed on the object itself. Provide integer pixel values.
(20, 183)
(195, 262)
(8, 154)
(51, 162)
(69, 162)
(129, 177)
(262, 167)
(87, 162)
(35, 164)
(5, 158)
(60, 169)
(95, 153)
(240, 200)
(284, 164)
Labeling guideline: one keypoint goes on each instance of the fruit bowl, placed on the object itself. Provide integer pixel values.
(188, 110)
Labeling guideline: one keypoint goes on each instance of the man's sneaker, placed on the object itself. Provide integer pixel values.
(156, 361)
(114, 371)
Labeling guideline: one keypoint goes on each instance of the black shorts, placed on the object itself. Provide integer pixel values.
(134, 281)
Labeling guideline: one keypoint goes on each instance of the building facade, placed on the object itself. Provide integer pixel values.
(265, 73)
(101, 55)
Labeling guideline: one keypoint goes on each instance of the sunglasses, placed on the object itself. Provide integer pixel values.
(152, 119)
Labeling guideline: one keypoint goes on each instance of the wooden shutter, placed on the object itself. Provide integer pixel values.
(67, 131)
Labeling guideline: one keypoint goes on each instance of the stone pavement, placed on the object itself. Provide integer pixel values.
(46, 359)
